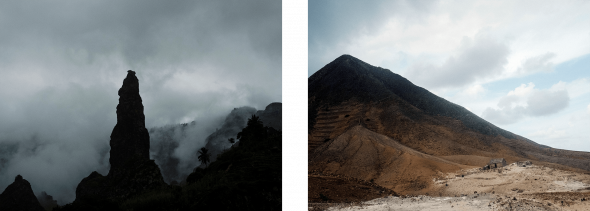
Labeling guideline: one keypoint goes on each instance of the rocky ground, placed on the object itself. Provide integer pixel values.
(509, 188)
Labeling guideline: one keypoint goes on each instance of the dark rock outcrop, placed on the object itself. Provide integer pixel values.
(130, 139)
(272, 115)
(217, 142)
(132, 171)
(19, 196)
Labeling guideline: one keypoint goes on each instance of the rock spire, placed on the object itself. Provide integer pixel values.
(130, 140)
(132, 171)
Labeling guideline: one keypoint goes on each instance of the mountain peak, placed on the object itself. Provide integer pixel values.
(345, 57)
(19, 196)
(353, 61)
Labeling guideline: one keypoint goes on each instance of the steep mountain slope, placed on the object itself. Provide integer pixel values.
(349, 92)
(363, 154)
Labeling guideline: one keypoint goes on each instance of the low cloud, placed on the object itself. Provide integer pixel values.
(174, 147)
(477, 59)
(525, 101)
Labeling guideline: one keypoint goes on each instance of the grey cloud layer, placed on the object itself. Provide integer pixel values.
(62, 62)
(538, 103)
(482, 57)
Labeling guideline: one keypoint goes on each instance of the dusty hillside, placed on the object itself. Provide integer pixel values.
(327, 188)
(369, 156)
(348, 92)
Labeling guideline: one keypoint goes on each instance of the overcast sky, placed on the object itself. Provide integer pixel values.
(522, 65)
(62, 63)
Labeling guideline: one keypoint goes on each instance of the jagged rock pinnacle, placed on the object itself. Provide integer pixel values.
(132, 171)
(130, 141)
(19, 196)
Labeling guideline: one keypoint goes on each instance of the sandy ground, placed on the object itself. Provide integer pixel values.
(509, 188)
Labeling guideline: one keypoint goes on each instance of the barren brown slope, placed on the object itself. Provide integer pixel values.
(348, 92)
(366, 155)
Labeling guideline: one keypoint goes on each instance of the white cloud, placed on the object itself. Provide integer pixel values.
(539, 63)
(546, 102)
(477, 59)
(522, 90)
(589, 108)
(517, 96)
(474, 90)
(524, 101)
(576, 88)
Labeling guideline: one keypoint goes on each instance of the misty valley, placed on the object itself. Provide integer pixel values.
(171, 167)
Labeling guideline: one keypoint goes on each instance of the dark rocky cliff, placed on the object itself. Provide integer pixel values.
(130, 139)
(132, 171)
(272, 115)
(19, 196)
